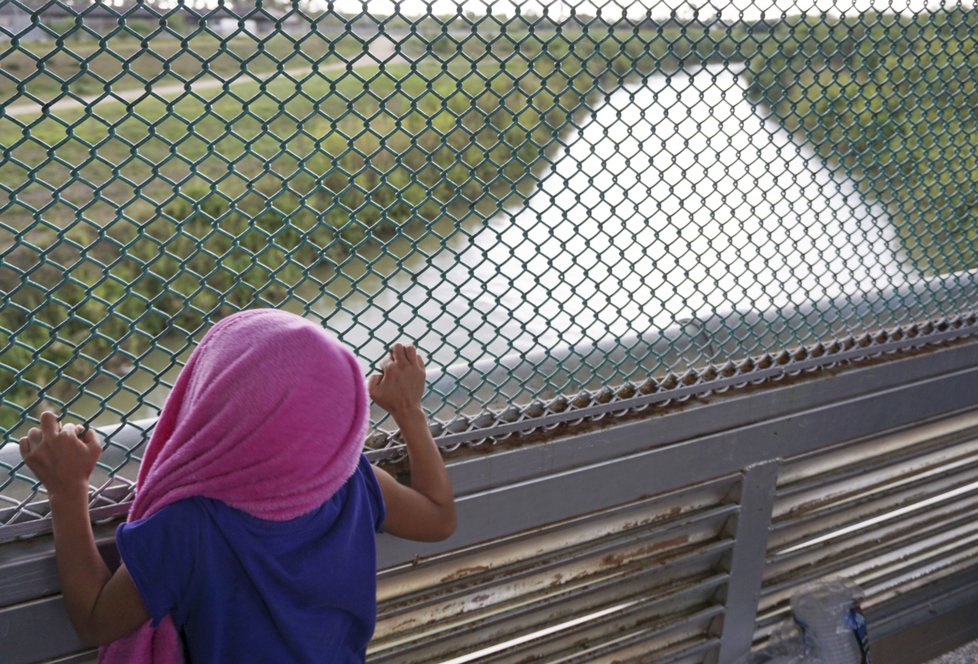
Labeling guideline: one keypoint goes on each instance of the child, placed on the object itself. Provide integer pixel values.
(251, 537)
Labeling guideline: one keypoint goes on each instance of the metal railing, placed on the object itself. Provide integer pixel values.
(677, 536)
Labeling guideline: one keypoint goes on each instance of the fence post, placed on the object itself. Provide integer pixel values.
(747, 560)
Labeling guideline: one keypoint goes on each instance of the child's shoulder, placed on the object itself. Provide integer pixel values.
(178, 514)
(185, 512)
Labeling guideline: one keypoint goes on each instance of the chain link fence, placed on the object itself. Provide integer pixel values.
(575, 210)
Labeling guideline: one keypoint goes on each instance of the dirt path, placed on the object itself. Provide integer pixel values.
(380, 51)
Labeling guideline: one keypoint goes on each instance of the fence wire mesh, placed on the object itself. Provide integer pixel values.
(574, 209)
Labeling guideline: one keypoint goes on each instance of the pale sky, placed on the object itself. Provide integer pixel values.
(730, 10)
(612, 9)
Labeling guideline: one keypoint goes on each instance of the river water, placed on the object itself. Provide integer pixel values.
(675, 197)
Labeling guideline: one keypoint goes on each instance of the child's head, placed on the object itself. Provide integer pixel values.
(268, 415)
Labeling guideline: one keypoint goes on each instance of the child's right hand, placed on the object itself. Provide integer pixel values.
(62, 458)
(425, 510)
(399, 389)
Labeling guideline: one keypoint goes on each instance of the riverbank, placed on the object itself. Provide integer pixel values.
(889, 99)
(179, 220)
(222, 219)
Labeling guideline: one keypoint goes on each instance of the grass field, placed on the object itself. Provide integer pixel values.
(142, 219)
(46, 70)
(124, 222)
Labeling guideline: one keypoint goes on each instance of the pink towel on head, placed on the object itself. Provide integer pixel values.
(269, 416)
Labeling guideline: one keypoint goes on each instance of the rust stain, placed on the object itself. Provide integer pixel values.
(671, 513)
(654, 384)
(404, 624)
(617, 559)
(465, 571)
(479, 599)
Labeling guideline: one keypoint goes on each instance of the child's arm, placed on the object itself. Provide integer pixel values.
(102, 606)
(425, 510)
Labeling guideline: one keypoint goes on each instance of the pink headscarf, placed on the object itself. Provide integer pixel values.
(269, 416)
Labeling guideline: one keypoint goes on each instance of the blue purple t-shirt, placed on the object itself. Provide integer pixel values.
(242, 589)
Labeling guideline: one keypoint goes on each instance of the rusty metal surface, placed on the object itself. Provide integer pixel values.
(884, 502)
(649, 569)
(608, 635)
(548, 539)
(620, 541)
(851, 455)
(894, 533)
(880, 465)
(896, 513)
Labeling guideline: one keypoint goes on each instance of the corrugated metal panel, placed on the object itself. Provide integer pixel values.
(686, 636)
(648, 575)
(895, 513)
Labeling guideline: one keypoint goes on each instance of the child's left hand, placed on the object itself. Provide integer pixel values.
(60, 459)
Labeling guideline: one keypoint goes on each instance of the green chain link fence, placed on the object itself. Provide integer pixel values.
(575, 212)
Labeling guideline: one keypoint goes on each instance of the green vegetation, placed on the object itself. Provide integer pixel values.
(609, 48)
(131, 223)
(891, 99)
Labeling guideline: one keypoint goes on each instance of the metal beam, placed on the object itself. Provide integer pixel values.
(747, 560)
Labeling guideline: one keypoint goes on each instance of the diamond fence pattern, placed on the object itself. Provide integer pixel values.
(576, 211)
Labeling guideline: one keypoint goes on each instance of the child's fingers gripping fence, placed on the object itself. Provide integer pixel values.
(574, 210)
